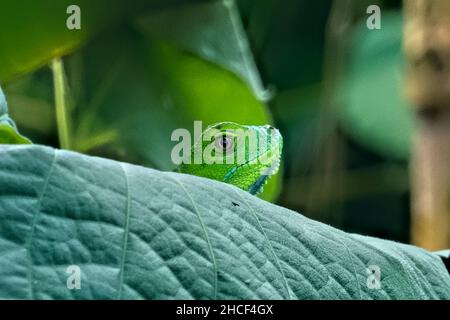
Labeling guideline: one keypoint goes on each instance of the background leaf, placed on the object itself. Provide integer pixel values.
(33, 32)
(8, 131)
(211, 30)
(140, 233)
(375, 111)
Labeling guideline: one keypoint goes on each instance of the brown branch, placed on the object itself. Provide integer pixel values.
(427, 46)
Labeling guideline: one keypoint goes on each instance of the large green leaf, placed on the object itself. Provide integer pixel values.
(138, 233)
(8, 130)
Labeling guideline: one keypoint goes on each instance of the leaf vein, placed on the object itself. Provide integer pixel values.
(211, 251)
(269, 243)
(126, 232)
(33, 225)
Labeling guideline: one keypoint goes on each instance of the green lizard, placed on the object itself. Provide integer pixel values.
(242, 155)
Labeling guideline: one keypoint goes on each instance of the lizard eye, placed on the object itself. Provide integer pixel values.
(224, 144)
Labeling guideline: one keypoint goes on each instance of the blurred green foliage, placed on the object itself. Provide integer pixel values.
(32, 31)
(140, 69)
(375, 112)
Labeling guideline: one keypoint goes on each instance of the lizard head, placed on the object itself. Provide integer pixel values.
(243, 155)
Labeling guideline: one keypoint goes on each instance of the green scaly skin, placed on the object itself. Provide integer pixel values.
(250, 174)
